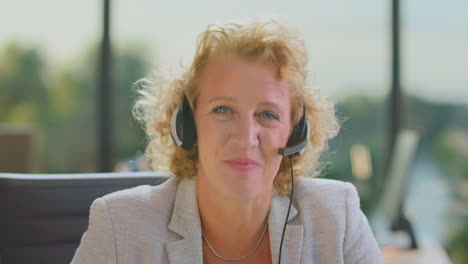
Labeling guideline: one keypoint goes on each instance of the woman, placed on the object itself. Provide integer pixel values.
(231, 114)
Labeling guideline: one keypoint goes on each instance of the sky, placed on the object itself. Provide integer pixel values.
(348, 41)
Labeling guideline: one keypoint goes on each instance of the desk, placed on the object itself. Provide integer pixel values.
(394, 255)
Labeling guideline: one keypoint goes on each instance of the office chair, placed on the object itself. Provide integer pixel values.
(43, 216)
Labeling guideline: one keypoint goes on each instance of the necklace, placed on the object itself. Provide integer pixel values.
(235, 259)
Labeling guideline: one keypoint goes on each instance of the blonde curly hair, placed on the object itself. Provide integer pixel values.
(262, 41)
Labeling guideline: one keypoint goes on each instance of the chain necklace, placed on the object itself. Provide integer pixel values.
(235, 259)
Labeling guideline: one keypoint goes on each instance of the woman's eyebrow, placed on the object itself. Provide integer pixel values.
(272, 104)
(222, 98)
(275, 106)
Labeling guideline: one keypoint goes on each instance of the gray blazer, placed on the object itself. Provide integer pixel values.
(161, 224)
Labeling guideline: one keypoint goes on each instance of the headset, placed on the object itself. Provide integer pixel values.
(184, 135)
(184, 132)
(183, 129)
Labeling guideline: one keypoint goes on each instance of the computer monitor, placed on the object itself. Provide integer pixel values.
(389, 215)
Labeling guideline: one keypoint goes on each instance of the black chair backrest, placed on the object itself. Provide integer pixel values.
(43, 216)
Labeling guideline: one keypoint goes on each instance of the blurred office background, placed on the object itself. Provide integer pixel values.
(51, 74)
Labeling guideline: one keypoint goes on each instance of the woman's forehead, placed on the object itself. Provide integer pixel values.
(232, 79)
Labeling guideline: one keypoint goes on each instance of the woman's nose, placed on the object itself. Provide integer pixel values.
(246, 132)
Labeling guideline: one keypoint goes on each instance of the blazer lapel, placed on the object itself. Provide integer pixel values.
(292, 243)
(185, 222)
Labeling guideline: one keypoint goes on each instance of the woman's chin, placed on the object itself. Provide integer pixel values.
(243, 185)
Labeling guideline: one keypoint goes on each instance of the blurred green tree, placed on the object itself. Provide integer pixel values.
(131, 64)
(363, 122)
(62, 104)
(23, 83)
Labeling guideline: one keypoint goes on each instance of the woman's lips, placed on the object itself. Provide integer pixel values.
(242, 164)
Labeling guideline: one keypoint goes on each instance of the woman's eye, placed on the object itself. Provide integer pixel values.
(221, 109)
(269, 116)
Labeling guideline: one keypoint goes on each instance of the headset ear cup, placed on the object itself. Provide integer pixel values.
(299, 132)
(189, 130)
(183, 129)
(176, 127)
(299, 138)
